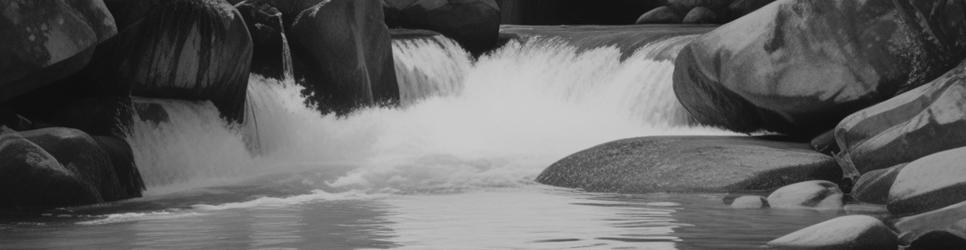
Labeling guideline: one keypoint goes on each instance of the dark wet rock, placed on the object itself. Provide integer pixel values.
(691, 4)
(950, 219)
(150, 111)
(178, 49)
(266, 26)
(816, 194)
(700, 15)
(689, 163)
(85, 156)
(660, 15)
(846, 232)
(573, 12)
(740, 8)
(873, 187)
(922, 121)
(474, 24)
(750, 202)
(825, 143)
(32, 178)
(48, 40)
(929, 183)
(938, 240)
(344, 55)
(799, 67)
(627, 38)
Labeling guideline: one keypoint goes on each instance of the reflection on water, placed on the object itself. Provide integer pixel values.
(530, 217)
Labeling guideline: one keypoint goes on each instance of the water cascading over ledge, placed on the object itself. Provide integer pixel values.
(495, 122)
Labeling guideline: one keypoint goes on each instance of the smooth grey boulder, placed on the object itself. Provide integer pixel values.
(874, 186)
(846, 232)
(689, 164)
(930, 183)
(750, 202)
(817, 194)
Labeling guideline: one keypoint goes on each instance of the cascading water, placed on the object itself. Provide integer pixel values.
(496, 122)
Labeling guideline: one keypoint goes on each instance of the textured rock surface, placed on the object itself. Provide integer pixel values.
(922, 121)
(929, 183)
(48, 40)
(798, 66)
(31, 178)
(344, 55)
(846, 232)
(809, 194)
(474, 24)
(681, 164)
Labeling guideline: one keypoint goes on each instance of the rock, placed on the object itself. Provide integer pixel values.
(950, 219)
(798, 67)
(873, 187)
(929, 183)
(750, 202)
(266, 25)
(691, 4)
(866, 209)
(938, 240)
(689, 164)
(572, 12)
(178, 49)
(345, 56)
(49, 40)
(808, 194)
(740, 8)
(474, 24)
(846, 232)
(83, 155)
(700, 15)
(906, 127)
(122, 158)
(32, 178)
(825, 143)
(661, 14)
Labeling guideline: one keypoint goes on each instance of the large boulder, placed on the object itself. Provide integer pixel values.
(922, 121)
(659, 15)
(799, 66)
(846, 232)
(87, 157)
(929, 183)
(344, 55)
(48, 40)
(816, 194)
(178, 49)
(474, 24)
(951, 219)
(267, 29)
(32, 178)
(690, 164)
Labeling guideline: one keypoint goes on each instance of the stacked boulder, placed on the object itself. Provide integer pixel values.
(700, 11)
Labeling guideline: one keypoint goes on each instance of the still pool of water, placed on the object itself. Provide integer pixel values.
(531, 217)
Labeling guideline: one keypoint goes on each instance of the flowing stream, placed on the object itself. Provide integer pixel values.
(452, 168)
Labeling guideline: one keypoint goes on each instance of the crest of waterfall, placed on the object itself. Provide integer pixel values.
(430, 66)
(496, 122)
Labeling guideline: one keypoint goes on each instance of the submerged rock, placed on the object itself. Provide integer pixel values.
(659, 15)
(48, 40)
(344, 55)
(178, 49)
(846, 232)
(689, 163)
(750, 202)
(32, 178)
(930, 183)
(474, 24)
(809, 194)
(923, 121)
(798, 67)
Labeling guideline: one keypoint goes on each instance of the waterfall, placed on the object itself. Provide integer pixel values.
(495, 122)
(288, 72)
(431, 66)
